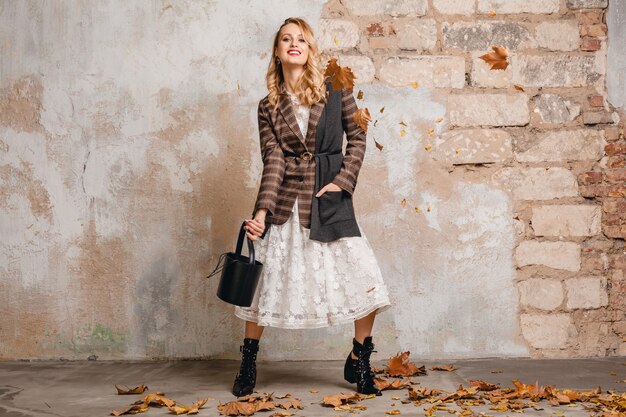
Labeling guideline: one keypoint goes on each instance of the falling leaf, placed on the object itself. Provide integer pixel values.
(496, 59)
(335, 40)
(137, 390)
(438, 119)
(362, 118)
(518, 87)
(443, 368)
(414, 84)
(431, 131)
(359, 95)
(403, 202)
(403, 124)
(382, 109)
(491, 13)
(340, 77)
(238, 88)
(427, 147)
(378, 145)
(428, 209)
(402, 132)
(417, 210)
(141, 408)
(371, 289)
(457, 150)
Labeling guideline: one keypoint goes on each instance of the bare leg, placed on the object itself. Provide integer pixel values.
(363, 328)
(253, 330)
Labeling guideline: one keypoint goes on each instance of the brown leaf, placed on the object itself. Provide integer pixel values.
(293, 403)
(378, 145)
(443, 368)
(156, 398)
(137, 390)
(497, 59)
(264, 405)
(482, 385)
(198, 405)
(359, 95)
(234, 408)
(362, 118)
(340, 77)
(400, 365)
(518, 87)
(140, 408)
(338, 399)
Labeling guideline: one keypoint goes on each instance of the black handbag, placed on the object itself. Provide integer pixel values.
(240, 274)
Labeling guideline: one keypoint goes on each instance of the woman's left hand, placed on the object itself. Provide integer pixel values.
(332, 187)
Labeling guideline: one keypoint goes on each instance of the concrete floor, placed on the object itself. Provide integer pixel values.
(77, 388)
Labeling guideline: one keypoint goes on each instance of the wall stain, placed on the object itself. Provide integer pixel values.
(20, 105)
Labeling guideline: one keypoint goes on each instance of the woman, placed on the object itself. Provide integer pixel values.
(319, 268)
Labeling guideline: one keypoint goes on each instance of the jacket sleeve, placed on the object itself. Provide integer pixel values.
(355, 150)
(273, 164)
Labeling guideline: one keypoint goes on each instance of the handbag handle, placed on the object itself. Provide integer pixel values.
(242, 233)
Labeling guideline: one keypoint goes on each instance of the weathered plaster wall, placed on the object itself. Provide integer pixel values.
(129, 155)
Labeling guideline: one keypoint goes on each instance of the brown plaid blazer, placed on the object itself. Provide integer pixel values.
(285, 177)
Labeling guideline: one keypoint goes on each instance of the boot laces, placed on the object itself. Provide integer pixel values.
(364, 366)
(248, 362)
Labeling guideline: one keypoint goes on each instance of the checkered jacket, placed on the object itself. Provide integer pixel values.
(285, 177)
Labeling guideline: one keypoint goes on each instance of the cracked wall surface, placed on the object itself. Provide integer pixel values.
(129, 155)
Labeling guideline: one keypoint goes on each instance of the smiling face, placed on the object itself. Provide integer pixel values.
(292, 48)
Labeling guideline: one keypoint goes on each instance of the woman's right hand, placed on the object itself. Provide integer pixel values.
(255, 227)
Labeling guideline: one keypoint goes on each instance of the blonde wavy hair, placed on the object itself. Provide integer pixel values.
(311, 87)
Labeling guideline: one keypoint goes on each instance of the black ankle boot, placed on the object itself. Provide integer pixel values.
(359, 370)
(246, 377)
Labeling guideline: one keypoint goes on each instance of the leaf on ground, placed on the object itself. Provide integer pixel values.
(443, 368)
(416, 393)
(293, 403)
(362, 118)
(137, 390)
(235, 408)
(397, 383)
(135, 409)
(339, 399)
(156, 398)
(498, 59)
(482, 385)
(198, 405)
(340, 77)
(400, 365)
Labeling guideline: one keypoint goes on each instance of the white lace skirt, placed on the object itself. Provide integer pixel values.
(308, 284)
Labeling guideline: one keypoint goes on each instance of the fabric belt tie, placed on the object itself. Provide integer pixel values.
(307, 156)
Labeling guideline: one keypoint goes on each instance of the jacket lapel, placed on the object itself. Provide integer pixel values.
(286, 109)
(314, 118)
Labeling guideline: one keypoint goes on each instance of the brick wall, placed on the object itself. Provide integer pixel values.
(541, 129)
